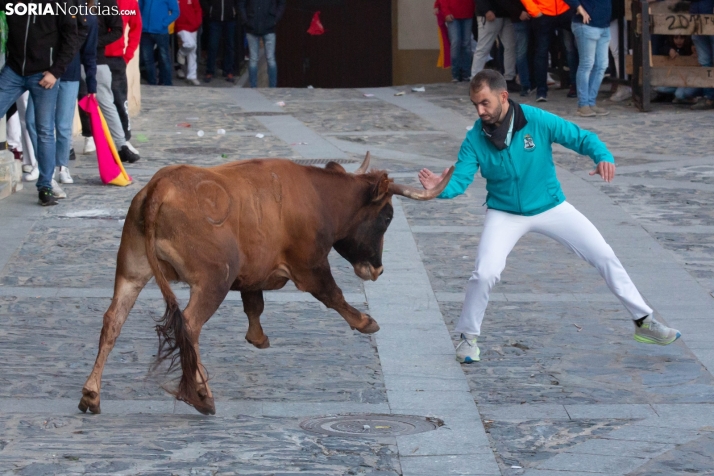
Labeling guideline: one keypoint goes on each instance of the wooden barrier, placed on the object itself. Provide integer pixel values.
(647, 70)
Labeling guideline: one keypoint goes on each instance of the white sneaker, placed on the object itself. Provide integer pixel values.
(180, 73)
(63, 175)
(131, 148)
(57, 190)
(194, 82)
(653, 332)
(180, 58)
(89, 146)
(623, 92)
(467, 351)
(30, 173)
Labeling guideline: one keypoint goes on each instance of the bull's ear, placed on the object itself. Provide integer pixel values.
(381, 188)
(335, 166)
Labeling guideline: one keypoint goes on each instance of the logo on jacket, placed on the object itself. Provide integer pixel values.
(528, 143)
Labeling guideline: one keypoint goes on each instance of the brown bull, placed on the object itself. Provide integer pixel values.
(246, 226)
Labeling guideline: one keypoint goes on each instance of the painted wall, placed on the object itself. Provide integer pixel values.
(415, 43)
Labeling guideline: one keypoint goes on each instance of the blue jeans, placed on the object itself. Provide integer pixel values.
(679, 93)
(12, 86)
(161, 40)
(523, 32)
(705, 55)
(593, 44)
(228, 28)
(64, 119)
(254, 50)
(544, 26)
(460, 39)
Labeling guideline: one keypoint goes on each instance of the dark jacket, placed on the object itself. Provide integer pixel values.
(600, 12)
(39, 43)
(501, 8)
(87, 56)
(220, 10)
(109, 29)
(260, 16)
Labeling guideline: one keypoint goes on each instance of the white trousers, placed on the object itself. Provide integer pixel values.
(487, 33)
(566, 225)
(188, 50)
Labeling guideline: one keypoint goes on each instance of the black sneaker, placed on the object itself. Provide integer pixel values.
(572, 92)
(72, 155)
(127, 155)
(512, 86)
(541, 99)
(47, 198)
(526, 92)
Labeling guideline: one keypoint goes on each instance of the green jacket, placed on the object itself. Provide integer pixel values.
(521, 178)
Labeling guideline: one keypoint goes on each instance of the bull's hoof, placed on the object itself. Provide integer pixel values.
(370, 328)
(205, 406)
(260, 345)
(89, 401)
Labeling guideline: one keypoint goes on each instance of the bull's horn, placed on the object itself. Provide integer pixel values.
(419, 193)
(365, 165)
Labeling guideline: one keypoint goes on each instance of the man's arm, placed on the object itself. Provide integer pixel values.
(280, 10)
(88, 57)
(134, 23)
(464, 172)
(172, 14)
(68, 44)
(242, 11)
(114, 29)
(574, 138)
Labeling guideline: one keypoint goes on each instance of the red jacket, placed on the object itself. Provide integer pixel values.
(191, 16)
(460, 9)
(121, 47)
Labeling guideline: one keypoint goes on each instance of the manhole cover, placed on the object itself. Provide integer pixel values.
(368, 425)
(324, 161)
(199, 150)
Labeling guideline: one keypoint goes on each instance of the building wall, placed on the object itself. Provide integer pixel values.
(415, 43)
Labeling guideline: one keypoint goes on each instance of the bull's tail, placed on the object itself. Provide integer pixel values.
(175, 341)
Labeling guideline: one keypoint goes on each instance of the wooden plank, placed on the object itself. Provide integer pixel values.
(660, 7)
(658, 61)
(682, 24)
(683, 77)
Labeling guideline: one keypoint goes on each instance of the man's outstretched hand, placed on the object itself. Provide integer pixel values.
(429, 179)
(604, 169)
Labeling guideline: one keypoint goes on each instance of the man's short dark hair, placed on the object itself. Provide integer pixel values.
(488, 77)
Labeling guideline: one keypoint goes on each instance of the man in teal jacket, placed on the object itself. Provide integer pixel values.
(512, 145)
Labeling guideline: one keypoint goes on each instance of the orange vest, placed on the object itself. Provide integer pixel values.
(546, 7)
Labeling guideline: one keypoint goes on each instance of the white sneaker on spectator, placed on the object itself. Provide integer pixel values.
(57, 190)
(180, 73)
(194, 82)
(131, 148)
(623, 92)
(30, 173)
(180, 58)
(63, 175)
(89, 146)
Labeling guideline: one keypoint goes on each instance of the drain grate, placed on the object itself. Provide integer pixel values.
(370, 425)
(324, 161)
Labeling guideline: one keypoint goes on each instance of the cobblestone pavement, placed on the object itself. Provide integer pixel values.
(561, 389)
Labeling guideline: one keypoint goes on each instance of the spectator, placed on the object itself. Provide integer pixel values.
(495, 18)
(523, 29)
(187, 25)
(110, 28)
(548, 16)
(118, 55)
(222, 16)
(620, 91)
(67, 99)
(705, 50)
(458, 15)
(259, 18)
(679, 45)
(591, 28)
(156, 16)
(30, 68)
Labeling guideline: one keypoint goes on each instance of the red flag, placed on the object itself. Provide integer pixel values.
(316, 27)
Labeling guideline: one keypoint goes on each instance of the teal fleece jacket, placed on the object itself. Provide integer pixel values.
(521, 178)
